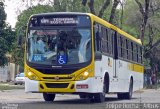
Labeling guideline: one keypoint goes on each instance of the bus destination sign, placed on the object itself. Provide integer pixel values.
(38, 21)
(59, 21)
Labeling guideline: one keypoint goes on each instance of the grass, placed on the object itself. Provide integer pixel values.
(6, 86)
(156, 86)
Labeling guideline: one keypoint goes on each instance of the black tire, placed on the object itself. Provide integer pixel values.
(82, 96)
(121, 95)
(127, 95)
(88, 96)
(100, 97)
(48, 97)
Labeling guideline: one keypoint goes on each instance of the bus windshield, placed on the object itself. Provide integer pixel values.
(61, 46)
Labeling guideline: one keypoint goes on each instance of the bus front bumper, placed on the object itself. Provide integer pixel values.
(90, 85)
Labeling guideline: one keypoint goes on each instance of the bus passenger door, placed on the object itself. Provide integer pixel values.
(115, 56)
(114, 80)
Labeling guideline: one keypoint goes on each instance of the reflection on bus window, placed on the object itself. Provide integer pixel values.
(48, 46)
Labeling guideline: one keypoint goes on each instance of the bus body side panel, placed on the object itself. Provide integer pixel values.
(105, 66)
(123, 75)
(92, 82)
(94, 85)
(137, 77)
(126, 70)
(31, 85)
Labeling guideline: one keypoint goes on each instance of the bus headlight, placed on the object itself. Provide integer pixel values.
(32, 76)
(86, 73)
(83, 76)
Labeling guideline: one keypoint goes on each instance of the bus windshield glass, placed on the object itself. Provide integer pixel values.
(59, 46)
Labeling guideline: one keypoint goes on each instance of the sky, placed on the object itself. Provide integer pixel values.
(11, 8)
(14, 7)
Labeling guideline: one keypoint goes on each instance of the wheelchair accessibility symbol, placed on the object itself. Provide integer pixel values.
(62, 59)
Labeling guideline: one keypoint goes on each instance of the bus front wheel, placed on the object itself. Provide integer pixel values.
(48, 97)
(100, 97)
(82, 96)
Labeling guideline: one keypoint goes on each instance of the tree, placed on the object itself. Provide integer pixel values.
(58, 5)
(69, 6)
(144, 12)
(104, 5)
(115, 4)
(144, 18)
(7, 37)
(148, 13)
(18, 53)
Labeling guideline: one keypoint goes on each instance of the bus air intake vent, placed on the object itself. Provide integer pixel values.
(53, 78)
(57, 71)
(57, 85)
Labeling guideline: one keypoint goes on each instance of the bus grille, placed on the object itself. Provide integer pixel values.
(57, 71)
(57, 85)
(53, 78)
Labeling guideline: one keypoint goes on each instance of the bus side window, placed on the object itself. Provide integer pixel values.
(141, 57)
(132, 53)
(104, 41)
(97, 37)
(119, 46)
(127, 50)
(107, 41)
(137, 53)
(123, 48)
(110, 41)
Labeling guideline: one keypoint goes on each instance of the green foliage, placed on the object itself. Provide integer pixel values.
(7, 37)
(132, 18)
(69, 6)
(130, 30)
(133, 21)
(18, 53)
(4, 86)
(24, 16)
(60, 5)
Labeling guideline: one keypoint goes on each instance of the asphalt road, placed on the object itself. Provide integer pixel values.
(18, 99)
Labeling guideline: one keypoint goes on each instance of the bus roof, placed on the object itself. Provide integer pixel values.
(97, 19)
(60, 13)
(107, 24)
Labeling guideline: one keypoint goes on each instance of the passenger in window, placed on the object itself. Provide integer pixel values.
(40, 45)
(62, 41)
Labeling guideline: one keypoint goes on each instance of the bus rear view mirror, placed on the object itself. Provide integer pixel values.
(21, 31)
(19, 41)
(98, 55)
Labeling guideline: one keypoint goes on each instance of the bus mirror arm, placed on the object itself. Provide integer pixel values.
(19, 42)
(98, 55)
(20, 36)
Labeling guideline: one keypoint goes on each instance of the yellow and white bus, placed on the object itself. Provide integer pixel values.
(79, 53)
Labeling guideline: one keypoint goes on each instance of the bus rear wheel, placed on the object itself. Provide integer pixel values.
(127, 95)
(48, 97)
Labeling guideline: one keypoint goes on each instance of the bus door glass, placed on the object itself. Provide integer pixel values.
(115, 53)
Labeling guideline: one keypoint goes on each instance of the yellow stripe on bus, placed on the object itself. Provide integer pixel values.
(136, 67)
